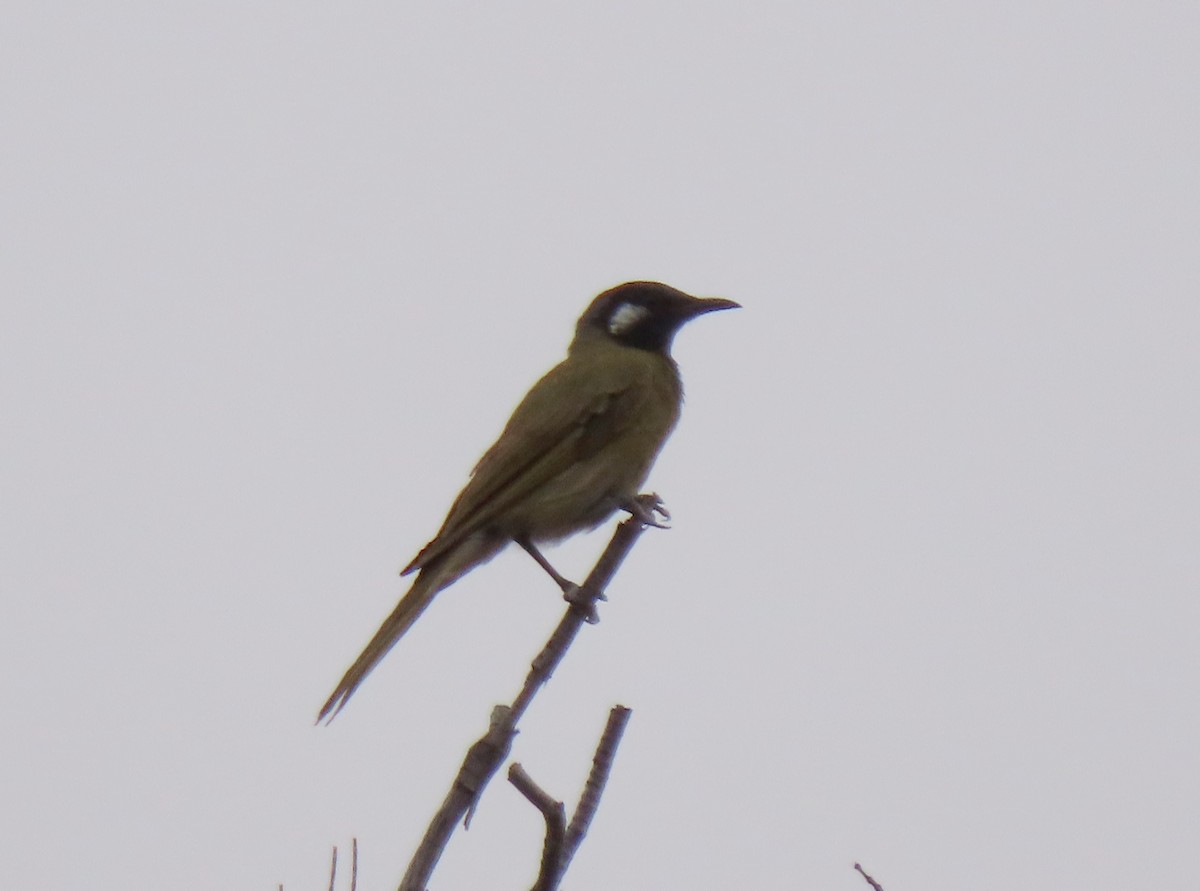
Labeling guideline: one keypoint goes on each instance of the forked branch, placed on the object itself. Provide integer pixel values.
(489, 751)
(562, 842)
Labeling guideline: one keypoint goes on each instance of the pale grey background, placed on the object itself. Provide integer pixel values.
(274, 274)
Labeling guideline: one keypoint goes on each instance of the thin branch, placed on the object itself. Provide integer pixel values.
(555, 815)
(482, 760)
(602, 763)
(354, 864)
(562, 843)
(489, 752)
(870, 881)
(552, 653)
(333, 869)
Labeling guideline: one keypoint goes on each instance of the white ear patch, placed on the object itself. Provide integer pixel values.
(625, 317)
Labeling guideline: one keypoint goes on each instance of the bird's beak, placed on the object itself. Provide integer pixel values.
(702, 305)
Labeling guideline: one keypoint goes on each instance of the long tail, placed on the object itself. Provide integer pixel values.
(407, 611)
(433, 577)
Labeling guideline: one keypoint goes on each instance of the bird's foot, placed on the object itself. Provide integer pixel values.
(644, 507)
(568, 587)
(583, 604)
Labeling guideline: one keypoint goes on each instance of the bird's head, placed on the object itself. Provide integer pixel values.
(644, 315)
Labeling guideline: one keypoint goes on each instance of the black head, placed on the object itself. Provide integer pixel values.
(644, 315)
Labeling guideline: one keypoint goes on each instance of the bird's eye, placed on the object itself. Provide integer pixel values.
(626, 317)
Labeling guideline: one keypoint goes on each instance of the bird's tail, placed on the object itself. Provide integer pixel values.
(434, 576)
(407, 611)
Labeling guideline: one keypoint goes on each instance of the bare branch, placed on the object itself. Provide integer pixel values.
(602, 762)
(562, 843)
(555, 815)
(552, 653)
(874, 884)
(333, 869)
(482, 760)
(488, 753)
(354, 864)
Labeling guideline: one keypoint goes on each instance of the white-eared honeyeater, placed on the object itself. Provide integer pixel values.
(577, 449)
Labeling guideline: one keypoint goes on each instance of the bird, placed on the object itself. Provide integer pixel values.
(576, 450)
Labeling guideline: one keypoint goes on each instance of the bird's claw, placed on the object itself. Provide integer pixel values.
(644, 507)
(583, 604)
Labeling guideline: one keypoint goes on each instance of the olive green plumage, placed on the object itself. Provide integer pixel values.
(578, 447)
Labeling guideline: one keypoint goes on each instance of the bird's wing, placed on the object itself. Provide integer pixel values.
(545, 436)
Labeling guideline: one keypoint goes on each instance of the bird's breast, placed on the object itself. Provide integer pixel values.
(616, 453)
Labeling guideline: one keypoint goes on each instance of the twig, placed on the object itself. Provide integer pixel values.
(482, 760)
(602, 573)
(333, 869)
(555, 815)
(354, 864)
(602, 762)
(874, 884)
(488, 753)
(562, 843)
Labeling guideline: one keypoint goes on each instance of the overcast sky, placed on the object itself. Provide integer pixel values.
(274, 274)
